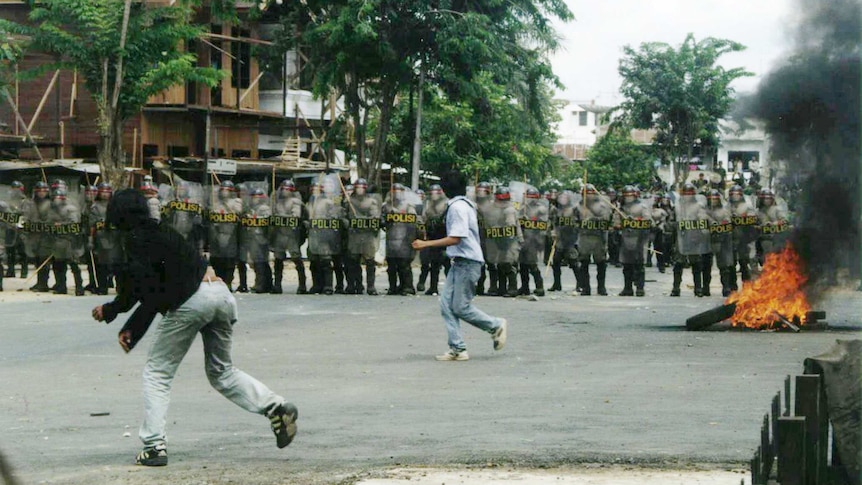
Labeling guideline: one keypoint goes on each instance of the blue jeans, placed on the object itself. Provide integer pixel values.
(212, 312)
(456, 302)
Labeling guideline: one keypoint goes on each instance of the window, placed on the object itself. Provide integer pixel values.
(178, 151)
(84, 151)
(241, 63)
(150, 150)
(215, 63)
(582, 118)
(240, 154)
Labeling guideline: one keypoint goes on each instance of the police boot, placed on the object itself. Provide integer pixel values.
(537, 278)
(584, 278)
(370, 274)
(508, 281)
(300, 275)
(42, 276)
(59, 268)
(525, 281)
(558, 273)
(92, 284)
(746, 271)
(725, 275)
(435, 280)
(706, 279)
(628, 276)
(25, 266)
(338, 271)
(277, 277)
(243, 278)
(494, 283)
(423, 275)
(480, 285)
(326, 277)
(79, 281)
(1, 276)
(405, 274)
(649, 258)
(262, 277)
(353, 272)
(579, 279)
(601, 272)
(10, 264)
(677, 279)
(392, 273)
(639, 279)
(697, 278)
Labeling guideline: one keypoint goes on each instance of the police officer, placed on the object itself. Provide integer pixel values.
(402, 227)
(288, 233)
(666, 219)
(614, 234)
(39, 244)
(566, 235)
(363, 237)
(745, 233)
(224, 224)
(185, 213)
(14, 240)
(68, 241)
(634, 223)
(254, 239)
(483, 202)
(692, 239)
(595, 217)
(106, 244)
(151, 193)
(503, 242)
(324, 235)
(721, 243)
(772, 220)
(90, 194)
(433, 258)
(533, 220)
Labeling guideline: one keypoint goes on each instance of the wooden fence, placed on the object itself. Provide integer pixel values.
(795, 448)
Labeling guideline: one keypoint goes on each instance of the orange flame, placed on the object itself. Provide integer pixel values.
(778, 289)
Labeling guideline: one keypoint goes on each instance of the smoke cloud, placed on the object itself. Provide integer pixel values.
(811, 103)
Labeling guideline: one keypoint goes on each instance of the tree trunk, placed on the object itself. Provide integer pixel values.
(112, 160)
(387, 99)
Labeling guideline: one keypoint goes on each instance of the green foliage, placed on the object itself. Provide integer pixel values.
(10, 54)
(615, 160)
(681, 93)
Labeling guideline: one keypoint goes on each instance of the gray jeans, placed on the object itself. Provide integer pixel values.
(212, 312)
(456, 302)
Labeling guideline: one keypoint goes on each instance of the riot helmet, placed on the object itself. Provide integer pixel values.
(713, 198)
(551, 195)
(105, 191)
(397, 192)
(735, 194)
(421, 194)
(258, 197)
(16, 184)
(360, 187)
(436, 191)
(483, 189)
(226, 190)
(766, 198)
(532, 194)
(286, 188)
(90, 193)
(589, 192)
(502, 194)
(182, 189)
(630, 194)
(688, 189)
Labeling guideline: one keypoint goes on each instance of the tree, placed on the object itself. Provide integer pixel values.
(372, 52)
(681, 93)
(616, 160)
(125, 52)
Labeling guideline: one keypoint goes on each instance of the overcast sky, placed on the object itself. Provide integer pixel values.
(592, 44)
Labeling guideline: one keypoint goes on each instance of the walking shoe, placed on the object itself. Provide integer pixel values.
(453, 355)
(282, 419)
(500, 335)
(153, 456)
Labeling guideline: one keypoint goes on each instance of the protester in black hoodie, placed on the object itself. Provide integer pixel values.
(166, 275)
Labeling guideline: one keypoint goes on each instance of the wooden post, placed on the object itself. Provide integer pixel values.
(251, 86)
(16, 96)
(791, 450)
(787, 396)
(776, 413)
(809, 405)
(74, 93)
(134, 146)
(42, 102)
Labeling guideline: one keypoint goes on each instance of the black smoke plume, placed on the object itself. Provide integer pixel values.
(810, 104)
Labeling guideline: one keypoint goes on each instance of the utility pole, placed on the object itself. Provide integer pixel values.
(417, 138)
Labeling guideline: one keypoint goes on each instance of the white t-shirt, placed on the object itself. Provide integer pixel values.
(462, 222)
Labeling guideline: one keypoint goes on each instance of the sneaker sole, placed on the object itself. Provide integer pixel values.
(291, 416)
(158, 461)
(447, 359)
(500, 339)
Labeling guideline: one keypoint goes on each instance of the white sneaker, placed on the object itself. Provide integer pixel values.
(500, 335)
(452, 355)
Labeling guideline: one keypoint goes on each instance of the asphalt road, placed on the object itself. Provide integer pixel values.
(583, 379)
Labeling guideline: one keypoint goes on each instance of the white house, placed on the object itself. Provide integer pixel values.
(577, 129)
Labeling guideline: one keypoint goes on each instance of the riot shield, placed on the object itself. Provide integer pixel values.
(721, 235)
(364, 224)
(106, 238)
(254, 228)
(10, 215)
(636, 225)
(692, 226)
(534, 221)
(517, 193)
(287, 232)
(566, 223)
(402, 223)
(594, 223)
(502, 234)
(224, 212)
(67, 233)
(434, 215)
(325, 214)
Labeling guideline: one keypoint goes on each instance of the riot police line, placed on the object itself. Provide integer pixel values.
(522, 231)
